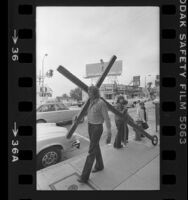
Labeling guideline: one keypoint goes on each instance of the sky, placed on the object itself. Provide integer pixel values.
(76, 36)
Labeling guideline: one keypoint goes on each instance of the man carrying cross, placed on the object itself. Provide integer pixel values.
(97, 114)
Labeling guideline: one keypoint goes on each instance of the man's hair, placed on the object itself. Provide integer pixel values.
(95, 91)
(142, 103)
(121, 97)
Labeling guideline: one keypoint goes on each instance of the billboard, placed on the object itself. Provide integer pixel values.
(136, 80)
(96, 69)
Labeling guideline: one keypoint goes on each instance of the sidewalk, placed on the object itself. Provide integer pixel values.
(135, 167)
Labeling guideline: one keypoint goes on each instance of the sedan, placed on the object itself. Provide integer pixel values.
(56, 113)
(51, 141)
(131, 103)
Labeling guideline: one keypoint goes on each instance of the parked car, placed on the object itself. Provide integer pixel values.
(56, 113)
(131, 103)
(80, 103)
(52, 142)
(134, 101)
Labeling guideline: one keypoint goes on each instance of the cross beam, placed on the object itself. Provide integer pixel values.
(80, 84)
(84, 109)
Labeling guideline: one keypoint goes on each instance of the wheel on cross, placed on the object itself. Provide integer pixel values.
(155, 140)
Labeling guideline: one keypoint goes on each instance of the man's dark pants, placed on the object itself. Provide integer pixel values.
(95, 132)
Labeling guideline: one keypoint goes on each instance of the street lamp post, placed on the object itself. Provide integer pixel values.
(146, 84)
(146, 80)
(45, 55)
(102, 65)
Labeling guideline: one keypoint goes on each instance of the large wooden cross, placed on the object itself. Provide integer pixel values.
(84, 109)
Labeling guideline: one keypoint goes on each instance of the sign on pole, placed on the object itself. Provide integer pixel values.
(136, 80)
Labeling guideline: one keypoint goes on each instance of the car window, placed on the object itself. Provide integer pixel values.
(51, 107)
(43, 108)
(61, 107)
(39, 109)
(46, 108)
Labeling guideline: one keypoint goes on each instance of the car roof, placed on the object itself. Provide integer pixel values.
(52, 103)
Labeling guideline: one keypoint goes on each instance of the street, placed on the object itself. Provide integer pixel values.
(84, 140)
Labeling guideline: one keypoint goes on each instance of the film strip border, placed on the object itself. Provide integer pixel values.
(172, 112)
(22, 103)
(168, 100)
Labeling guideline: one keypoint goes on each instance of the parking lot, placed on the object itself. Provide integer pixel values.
(84, 141)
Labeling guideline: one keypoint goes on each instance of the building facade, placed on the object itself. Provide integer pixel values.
(110, 91)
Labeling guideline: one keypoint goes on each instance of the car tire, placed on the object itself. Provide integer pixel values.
(41, 121)
(48, 157)
(78, 146)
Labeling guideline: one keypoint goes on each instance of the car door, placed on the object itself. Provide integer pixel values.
(50, 113)
(63, 113)
(42, 113)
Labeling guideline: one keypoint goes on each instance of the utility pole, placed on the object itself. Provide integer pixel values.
(45, 55)
(102, 64)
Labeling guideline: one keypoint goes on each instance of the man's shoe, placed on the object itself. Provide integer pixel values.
(97, 170)
(124, 144)
(119, 147)
(80, 180)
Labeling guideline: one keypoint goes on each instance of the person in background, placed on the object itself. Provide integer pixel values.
(122, 128)
(97, 114)
(141, 119)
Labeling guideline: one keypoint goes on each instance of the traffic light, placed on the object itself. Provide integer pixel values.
(49, 73)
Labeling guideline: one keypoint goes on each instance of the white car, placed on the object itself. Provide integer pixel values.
(156, 100)
(52, 142)
(56, 113)
(131, 103)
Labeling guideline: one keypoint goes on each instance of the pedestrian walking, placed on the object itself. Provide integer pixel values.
(121, 124)
(141, 120)
(97, 114)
